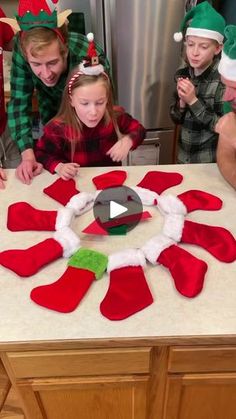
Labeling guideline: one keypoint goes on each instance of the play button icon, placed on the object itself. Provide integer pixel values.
(117, 210)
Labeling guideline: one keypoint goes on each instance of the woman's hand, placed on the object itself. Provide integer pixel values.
(120, 149)
(67, 170)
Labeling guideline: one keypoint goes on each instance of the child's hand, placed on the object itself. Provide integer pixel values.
(2, 178)
(119, 150)
(67, 170)
(186, 91)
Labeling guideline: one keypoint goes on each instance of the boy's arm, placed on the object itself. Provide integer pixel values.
(205, 113)
(132, 128)
(20, 106)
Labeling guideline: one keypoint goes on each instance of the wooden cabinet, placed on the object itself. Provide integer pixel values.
(201, 383)
(106, 383)
(146, 382)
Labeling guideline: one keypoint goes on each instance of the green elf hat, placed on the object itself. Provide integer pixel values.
(36, 13)
(227, 64)
(202, 20)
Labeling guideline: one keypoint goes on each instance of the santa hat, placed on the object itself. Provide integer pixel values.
(36, 13)
(227, 65)
(202, 20)
(91, 64)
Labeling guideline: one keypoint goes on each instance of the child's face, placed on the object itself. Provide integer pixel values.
(89, 102)
(48, 65)
(230, 92)
(201, 51)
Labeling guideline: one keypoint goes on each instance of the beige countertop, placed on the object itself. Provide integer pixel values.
(213, 312)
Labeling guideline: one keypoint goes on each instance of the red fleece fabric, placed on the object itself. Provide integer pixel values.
(187, 271)
(61, 190)
(27, 262)
(200, 200)
(110, 179)
(65, 294)
(160, 181)
(216, 240)
(127, 294)
(23, 216)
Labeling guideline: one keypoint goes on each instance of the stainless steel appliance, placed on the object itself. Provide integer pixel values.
(137, 36)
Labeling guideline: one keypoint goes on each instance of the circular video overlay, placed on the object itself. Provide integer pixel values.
(117, 210)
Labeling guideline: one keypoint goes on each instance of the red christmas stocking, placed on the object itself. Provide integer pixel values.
(216, 240)
(128, 291)
(160, 181)
(187, 271)
(27, 262)
(199, 200)
(22, 216)
(65, 294)
(61, 190)
(110, 179)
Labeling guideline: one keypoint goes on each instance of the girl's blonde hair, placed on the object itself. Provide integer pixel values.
(41, 37)
(67, 114)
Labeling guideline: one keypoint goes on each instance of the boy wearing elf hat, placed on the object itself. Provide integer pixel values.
(9, 154)
(43, 55)
(226, 126)
(198, 100)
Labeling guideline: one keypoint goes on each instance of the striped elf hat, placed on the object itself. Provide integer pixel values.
(227, 65)
(202, 20)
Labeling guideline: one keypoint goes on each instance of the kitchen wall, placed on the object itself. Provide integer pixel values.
(9, 7)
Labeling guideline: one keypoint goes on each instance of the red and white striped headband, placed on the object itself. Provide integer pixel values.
(80, 73)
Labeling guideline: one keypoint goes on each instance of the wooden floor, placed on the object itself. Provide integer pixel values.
(11, 408)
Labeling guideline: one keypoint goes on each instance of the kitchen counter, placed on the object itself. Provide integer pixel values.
(164, 361)
(212, 313)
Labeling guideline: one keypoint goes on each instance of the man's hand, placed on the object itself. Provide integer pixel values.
(67, 170)
(28, 168)
(120, 149)
(186, 91)
(3, 178)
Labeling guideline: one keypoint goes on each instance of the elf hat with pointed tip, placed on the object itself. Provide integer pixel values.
(36, 13)
(202, 20)
(227, 64)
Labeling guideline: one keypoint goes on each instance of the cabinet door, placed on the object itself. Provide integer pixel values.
(201, 396)
(83, 384)
(100, 398)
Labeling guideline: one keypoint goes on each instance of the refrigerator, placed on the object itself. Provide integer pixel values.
(137, 36)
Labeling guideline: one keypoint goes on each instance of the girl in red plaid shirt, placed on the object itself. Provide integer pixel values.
(88, 130)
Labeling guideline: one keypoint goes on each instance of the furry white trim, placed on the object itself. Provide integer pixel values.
(153, 247)
(178, 36)
(90, 36)
(173, 226)
(69, 241)
(125, 258)
(64, 217)
(170, 204)
(146, 196)
(81, 202)
(205, 33)
(227, 67)
(93, 70)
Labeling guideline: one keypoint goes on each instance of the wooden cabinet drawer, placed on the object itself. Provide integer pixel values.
(79, 363)
(202, 359)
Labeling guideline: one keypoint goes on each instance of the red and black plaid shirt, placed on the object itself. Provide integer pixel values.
(54, 147)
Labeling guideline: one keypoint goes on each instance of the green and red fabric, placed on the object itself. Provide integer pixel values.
(64, 295)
